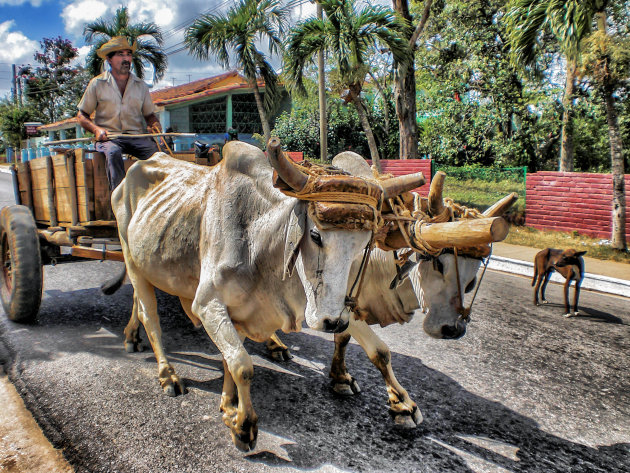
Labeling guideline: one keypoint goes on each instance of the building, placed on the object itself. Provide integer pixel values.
(208, 107)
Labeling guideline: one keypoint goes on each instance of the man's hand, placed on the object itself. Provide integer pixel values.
(100, 134)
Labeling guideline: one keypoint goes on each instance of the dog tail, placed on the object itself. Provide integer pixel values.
(112, 285)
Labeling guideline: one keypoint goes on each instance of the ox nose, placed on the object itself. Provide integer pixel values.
(453, 331)
(335, 326)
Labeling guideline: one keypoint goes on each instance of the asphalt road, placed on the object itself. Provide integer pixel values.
(524, 391)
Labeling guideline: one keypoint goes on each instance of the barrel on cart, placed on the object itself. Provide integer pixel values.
(63, 214)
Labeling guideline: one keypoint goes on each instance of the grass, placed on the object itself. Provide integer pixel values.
(482, 194)
(527, 236)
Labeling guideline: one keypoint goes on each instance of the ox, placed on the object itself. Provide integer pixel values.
(223, 239)
(432, 279)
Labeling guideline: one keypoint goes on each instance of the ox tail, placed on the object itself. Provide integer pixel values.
(112, 285)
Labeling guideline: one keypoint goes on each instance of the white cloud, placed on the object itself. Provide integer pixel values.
(77, 13)
(16, 47)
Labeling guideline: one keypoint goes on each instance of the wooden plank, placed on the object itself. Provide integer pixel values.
(24, 185)
(73, 188)
(41, 211)
(39, 178)
(102, 195)
(51, 191)
(63, 199)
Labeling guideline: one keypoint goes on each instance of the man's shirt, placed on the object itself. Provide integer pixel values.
(116, 113)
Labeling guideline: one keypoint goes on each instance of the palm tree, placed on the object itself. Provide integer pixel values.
(237, 32)
(350, 35)
(606, 62)
(570, 22)
(147, 35)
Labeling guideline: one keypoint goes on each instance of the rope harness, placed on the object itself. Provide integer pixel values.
(407, 222)
(340, 200)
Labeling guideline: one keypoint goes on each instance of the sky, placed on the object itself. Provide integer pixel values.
(24, 23)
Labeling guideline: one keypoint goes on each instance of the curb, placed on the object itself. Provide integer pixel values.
(595, 282)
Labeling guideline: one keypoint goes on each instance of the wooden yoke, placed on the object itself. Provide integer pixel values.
(463, 233)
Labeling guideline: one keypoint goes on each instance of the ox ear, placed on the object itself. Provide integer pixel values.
(294, 235)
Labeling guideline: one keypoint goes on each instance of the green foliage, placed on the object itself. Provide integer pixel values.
(54, 86)
(12, 119)
(299, 131)
(148, 37)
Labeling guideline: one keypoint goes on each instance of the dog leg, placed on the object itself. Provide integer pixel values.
(576, 297)
(544, 286)
(567, 306)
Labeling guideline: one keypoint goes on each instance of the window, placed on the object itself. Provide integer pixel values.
(245, 116)
(209, 117)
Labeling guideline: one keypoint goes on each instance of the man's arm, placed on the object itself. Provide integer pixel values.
(86, 122)
(153, 124)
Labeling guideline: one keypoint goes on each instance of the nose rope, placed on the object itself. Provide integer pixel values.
(464, 313)
(351, 301)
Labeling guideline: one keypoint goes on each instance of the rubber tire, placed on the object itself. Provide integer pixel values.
(21, 264)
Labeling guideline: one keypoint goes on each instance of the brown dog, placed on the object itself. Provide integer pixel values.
(569, 263)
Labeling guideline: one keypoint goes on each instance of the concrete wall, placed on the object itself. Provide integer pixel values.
(572, 201)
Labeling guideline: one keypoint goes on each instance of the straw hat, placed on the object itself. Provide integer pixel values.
(117, 43)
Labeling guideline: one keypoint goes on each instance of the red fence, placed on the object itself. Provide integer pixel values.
(572, 201)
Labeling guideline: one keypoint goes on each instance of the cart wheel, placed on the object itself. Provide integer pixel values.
(21, 272)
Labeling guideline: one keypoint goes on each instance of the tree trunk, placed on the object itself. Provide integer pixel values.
(358, 103)
(261, 111)
(381, 91)
(617, 166)
(405, 89)
(566, 145)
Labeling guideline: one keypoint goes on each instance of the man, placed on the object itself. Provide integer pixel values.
(120, 101)
(230, 135)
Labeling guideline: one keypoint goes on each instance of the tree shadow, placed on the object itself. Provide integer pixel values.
(313, 426)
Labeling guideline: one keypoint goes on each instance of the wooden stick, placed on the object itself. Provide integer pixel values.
(470, 232)
(119, 135)
(94, 253)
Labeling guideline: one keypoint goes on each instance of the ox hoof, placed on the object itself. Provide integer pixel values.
(282, 354)
(173, 390)
(346, 389)
(243, 446)
(406, 420)
(131, 347)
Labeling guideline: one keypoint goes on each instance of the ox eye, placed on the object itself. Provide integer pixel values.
(471, 286)
(316, 237)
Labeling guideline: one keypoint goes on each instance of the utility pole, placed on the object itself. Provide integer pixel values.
(14, 83)
(323, 120)
(173, 79)
(189, 78)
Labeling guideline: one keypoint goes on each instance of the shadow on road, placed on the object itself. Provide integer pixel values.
(461, 430)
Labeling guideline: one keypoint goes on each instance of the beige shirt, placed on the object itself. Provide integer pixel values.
(114, 112)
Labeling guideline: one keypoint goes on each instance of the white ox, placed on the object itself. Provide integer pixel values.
(433, 281)
(217, 238)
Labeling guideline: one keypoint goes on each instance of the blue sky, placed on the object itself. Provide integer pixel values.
(24, 23)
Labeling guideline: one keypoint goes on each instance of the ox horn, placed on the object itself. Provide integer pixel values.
(287, 171)
(463, 233)
(436, 204)
(397, 185)
(500, 207)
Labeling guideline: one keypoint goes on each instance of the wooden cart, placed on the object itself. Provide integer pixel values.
(63, 214)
